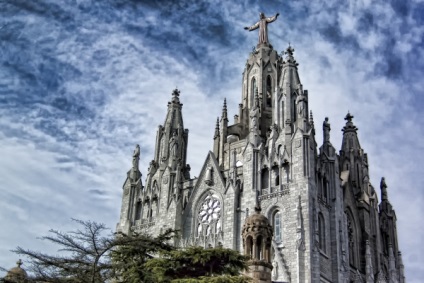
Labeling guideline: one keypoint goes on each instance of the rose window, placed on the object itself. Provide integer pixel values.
(209, 214)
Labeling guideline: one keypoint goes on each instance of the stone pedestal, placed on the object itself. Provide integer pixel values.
(260, 271)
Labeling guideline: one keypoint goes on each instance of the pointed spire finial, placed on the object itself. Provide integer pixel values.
(383, 187)
(349, 127)
(326, 130)
(175, 95)
(19, 263)
(176, 92)
(289, 50)
(136, 157)
(216, 128)
(224, 109)
(348, 117)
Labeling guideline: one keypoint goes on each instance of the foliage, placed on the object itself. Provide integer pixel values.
(88, 255)
(133, 251)
(195, 264)
(84, 259)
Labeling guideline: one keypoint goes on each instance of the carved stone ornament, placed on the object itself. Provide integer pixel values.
(165, 180)
(209, 216)
(298, 143)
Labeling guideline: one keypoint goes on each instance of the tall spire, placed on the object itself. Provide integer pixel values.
(135, 173)
(326, 130)
(311, 122)
(224, 110)
(349, 127)
(216, 128)
(175, 96)
(369, 271)
(383, 187)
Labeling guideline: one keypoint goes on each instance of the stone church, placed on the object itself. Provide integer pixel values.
(303, 212)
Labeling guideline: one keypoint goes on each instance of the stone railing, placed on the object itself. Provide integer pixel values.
(280, 190)
(143, 224)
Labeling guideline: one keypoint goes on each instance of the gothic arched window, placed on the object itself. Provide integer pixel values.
(277, 227)
(276, 175)
(351, 232)
(146, 210)
(294, 108)
(325, 189)
(209, 216)
(138, 211)
(321, 233)
(253, 92)
(268, 91)
(265, 179)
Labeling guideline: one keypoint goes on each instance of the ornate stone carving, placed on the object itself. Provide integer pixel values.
(209, 216)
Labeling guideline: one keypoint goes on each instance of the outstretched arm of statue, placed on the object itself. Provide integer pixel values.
(255, 26)
(271, 19)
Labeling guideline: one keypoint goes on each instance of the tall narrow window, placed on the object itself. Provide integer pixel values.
(276, 175)
(253, 92)
(277, 227)
(138, 211)
(146, 210)
(321, 232)
(325, 189)
(268, 91)
(351, 232)
(265, 179)
(357, 176)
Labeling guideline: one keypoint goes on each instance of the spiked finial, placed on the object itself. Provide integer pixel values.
(289, 50)
(216, 128)
(383, 188)
(326, 130)
(311, 122)
(348, 117)
(176, 92)
(224, 109)
(175, 95)
(19, 263)
(349, 127)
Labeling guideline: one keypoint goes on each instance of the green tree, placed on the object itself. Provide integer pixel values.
(198, 265)
(84, 256)
(133, 251)
(94, 255)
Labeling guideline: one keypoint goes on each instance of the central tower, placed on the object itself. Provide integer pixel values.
(317, 217)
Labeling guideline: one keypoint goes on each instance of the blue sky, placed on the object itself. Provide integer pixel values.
(82, 82)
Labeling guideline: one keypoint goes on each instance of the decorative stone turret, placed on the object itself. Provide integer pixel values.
(257, 236)
(16, 275)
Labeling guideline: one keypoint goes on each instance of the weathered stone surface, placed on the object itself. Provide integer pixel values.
(320, 203)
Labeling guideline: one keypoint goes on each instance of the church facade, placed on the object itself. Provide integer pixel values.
(328, 223)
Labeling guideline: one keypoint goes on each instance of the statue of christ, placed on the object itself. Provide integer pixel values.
(262, 25)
